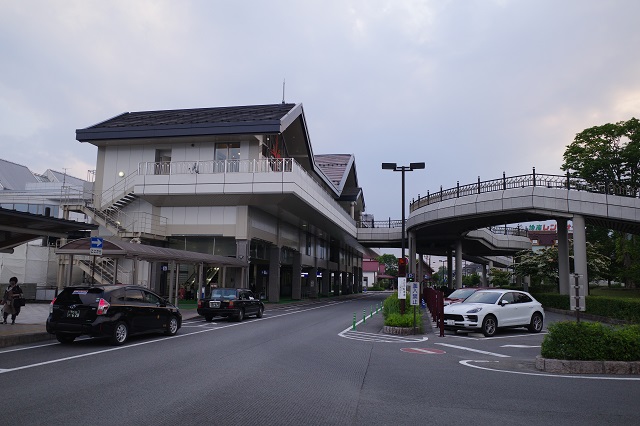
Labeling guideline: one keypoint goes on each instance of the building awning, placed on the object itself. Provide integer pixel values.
(116, 248)
(17, 228)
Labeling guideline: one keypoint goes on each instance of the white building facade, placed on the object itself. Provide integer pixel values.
(233, 181)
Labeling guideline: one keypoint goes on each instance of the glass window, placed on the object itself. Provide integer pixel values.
(134, 296)
(151, 298)
(230, 153)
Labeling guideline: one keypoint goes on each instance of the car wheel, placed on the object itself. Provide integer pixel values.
(489, 325)
(260, 312)
(240, 316)
(535, 326)
(208, 318)
(120, 333)
(172, 327)
(65, 339)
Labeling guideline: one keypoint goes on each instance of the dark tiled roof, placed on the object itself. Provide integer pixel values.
(334, 166)
(236, 114)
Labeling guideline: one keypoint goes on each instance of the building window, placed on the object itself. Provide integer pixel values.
(229, 153)
(163, 162)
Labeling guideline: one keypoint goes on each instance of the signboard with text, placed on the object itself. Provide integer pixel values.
(96, 246)
(415, 294)
(402, 288)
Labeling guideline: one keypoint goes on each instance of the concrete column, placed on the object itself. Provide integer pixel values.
(274, 274)
(115, 271)
(412, 253)
(459, 263)
(296, 279)
(580, 250)
(171, 279)
(449, 269)
(336, 283)
(313, 282)
(200, 280)
(490, 268)
(345, 283)
(420, 270)
(484, 275)
(563, 256)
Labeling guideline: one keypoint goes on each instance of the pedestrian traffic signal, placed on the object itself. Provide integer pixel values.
(410, 278)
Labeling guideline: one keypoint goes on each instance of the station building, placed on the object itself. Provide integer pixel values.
(240, 182)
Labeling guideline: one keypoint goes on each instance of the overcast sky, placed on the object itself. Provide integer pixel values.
(472, 88)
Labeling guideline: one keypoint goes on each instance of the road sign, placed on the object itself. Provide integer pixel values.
(402, 288)
(96, 246)
(415, 294)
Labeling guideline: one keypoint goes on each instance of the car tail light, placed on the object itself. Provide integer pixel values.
(51, 305)
(231, 303)
(103, 306)
(199, 303)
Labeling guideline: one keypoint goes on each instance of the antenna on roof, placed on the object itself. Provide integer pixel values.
(283, 81)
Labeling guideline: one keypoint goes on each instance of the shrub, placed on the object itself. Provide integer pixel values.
(627, 309)
(375, 288)
(553, 300)
(588, 341)
(393, 318)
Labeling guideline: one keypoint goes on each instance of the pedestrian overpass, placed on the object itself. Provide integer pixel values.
(456, 220)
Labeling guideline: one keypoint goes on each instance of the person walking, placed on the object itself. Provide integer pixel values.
(11, 300)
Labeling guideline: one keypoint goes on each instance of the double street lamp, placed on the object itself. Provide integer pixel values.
(396, 168)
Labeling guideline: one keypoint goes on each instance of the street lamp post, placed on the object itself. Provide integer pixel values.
(396, 168)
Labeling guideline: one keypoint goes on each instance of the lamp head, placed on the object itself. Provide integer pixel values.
(389, 166)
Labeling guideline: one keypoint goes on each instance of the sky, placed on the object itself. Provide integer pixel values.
(473, 88)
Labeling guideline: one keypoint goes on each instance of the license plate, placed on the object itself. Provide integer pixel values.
(73, 314)
(450, 322)
(214, 304)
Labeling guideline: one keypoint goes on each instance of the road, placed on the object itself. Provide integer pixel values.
(304, 365)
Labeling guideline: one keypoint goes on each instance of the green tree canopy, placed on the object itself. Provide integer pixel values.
(390, 263)
(606, 153)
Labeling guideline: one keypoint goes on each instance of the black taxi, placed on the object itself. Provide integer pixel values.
(230, 302)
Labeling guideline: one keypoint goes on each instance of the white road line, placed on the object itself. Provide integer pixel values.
(147, 342)
(350, 333)
(473, 350)
(520, 346)
(468, 362)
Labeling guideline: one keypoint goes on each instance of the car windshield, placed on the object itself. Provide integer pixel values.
(463, 293)
(224, 293)
(489, 297)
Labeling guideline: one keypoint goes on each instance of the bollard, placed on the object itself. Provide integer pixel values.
(354, 321)
(370, 311)
(364, 316)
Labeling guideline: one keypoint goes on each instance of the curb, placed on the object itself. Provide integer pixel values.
(20, 339)
(587, 367)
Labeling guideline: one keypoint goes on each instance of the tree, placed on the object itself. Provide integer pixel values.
(390, 263)
(607, 153)
(471, 280)
(500, 277)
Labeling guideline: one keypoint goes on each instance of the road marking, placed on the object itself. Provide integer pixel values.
(350, 333)
(467, 363)
(148, 342)
(474, 350)
(520, 346)
(423, 351)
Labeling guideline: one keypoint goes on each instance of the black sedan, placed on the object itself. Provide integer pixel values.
(230, 302)
(114, 311)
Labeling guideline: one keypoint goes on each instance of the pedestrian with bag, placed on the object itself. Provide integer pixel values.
(12, 300)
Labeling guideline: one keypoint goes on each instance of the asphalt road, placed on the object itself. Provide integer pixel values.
(304, 365)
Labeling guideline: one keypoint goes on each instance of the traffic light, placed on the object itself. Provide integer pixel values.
(402, 267)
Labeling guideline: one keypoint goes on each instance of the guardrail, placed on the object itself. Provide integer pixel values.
(567, 182)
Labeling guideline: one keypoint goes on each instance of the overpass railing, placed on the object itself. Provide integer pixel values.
(534, 179)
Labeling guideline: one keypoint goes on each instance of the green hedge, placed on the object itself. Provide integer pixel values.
(589, 341)
(392, 317)
(627, 309)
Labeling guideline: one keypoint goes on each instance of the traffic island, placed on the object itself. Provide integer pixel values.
(587, 367)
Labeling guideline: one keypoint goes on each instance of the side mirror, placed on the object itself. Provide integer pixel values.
(503, 302)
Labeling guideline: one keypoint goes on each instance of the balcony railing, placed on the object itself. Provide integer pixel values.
(535, 179)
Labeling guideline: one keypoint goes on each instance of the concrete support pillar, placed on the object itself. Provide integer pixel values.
(336, 283)
(313, 282)
(200, 281)
(345, 283)
(115, 271)
(580, 250)
(296, 278)
(490, 268)
(420, 271)
(563, 257)
(171, 279)
(449, 269)
(412, 253)
(484, 275)
(459, 263)
(325, 284)
(274, 274)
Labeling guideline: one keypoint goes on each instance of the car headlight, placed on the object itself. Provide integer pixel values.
(474, 311)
